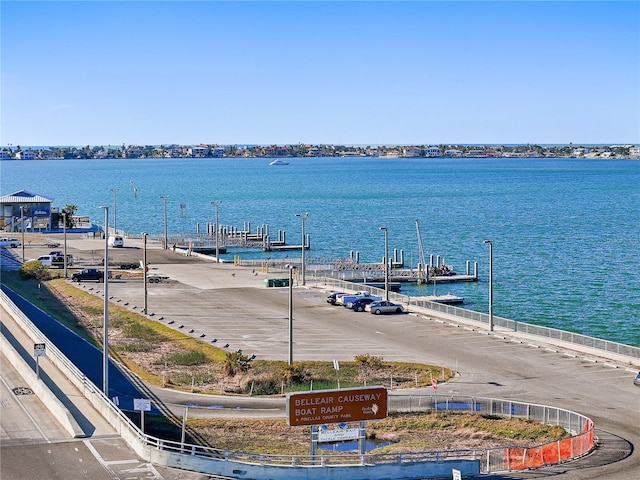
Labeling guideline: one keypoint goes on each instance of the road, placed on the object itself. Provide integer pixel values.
(231, 305)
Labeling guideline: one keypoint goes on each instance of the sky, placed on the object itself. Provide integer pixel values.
(328, 72)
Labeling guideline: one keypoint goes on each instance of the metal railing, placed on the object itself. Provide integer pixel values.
(513, 325)
(581, 428)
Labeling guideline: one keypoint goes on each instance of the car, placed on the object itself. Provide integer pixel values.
(636, 381)
(359, 304)
(88, 274)
(384, 307)
(331, 298)
(347, 298)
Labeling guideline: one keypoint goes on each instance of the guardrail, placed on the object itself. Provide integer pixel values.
(207, 459)
(513, 325)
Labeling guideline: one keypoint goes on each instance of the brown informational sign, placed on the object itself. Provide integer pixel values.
(335, 406)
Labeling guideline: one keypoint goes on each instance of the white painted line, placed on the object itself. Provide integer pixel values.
(533, 346)
(98, 457)
(611, 365)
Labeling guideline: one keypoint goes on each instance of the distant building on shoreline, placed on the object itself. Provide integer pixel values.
(307, 150)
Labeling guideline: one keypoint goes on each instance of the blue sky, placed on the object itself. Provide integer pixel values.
(160, 72)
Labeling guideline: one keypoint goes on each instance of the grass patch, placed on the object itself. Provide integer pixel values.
(189, 358)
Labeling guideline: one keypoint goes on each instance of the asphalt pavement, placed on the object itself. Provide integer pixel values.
(231, 308)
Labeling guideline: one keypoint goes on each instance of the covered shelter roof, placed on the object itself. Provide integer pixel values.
(23, 196)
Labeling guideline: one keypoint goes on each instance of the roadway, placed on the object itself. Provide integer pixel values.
(231, 305)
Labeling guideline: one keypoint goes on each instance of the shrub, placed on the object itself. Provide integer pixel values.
(294, 374)
(35, 269)
(236, 362)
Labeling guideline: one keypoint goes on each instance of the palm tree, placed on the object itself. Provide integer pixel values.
(69, 211)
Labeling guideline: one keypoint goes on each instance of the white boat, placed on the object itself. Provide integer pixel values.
(447, 299)
(279, 162)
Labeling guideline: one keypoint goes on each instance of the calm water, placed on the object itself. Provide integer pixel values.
(565, 232)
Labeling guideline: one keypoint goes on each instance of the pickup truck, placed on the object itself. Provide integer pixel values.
(88, 274)
(345, 299)
(55, 259)
(10, 242)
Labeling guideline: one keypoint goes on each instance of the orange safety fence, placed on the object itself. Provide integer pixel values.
(519, 458)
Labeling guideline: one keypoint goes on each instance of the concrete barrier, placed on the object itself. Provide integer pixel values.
(55, 406)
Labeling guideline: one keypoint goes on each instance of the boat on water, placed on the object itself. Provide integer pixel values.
(279, 162)
(447, 299)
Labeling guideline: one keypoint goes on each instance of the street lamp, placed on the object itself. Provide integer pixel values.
(386, 262)
(303, 217)
(144, 269)
(166, 240)
(291, 269)
(217, 204)
(115, 222)
(490, 284)
(22, 229)
(64, 229)
(105, 335)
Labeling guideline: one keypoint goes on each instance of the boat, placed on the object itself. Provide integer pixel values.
(279, 162)
(447, 299)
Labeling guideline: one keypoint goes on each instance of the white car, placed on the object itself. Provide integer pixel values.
(383, 306)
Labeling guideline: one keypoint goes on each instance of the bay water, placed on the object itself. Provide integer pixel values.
(565, 232)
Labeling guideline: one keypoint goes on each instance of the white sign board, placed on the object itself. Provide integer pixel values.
(338, 434)
(39, 350)
(142, 404)
(456, 474)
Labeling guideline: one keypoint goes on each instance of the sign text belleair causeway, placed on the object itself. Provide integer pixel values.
(334, 406)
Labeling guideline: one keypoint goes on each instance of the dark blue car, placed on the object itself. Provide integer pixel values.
(358, 305)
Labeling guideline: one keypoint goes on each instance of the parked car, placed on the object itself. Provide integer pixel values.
(636, 381)
(384, 307)
(331, 298)
(10, 242)
(88, 274)
(349, 297)
(359, 304)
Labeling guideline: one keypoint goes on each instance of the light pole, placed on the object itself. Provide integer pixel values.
(105, 335)
(303, 217)
(291, 269)
(64, 228)
(490, 243)
(166, 239)
(22, 229)
(217, 204)
(144, 269)
(115, 203)
(386, 262)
